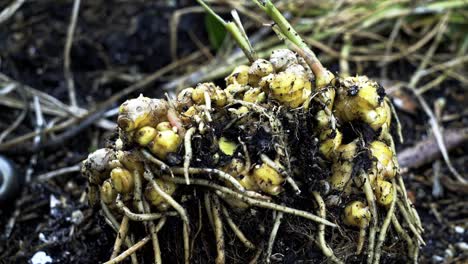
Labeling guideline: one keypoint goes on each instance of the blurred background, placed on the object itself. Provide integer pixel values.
(65, 66)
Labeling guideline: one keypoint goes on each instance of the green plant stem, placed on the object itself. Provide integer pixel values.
(243, 43)
(296, 43)
(240, 38)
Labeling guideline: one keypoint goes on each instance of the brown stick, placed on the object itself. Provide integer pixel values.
(427, 150)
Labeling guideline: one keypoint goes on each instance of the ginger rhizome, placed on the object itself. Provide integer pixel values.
(250, 144)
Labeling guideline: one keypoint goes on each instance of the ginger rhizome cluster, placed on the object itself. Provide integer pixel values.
(275, 137)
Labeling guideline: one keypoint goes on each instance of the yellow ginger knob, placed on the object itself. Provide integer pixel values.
(298, 70)
(290, 89)
(141, 111)
(130, 161)
(259, 68)
(234, 168)
(378, 117)
(341, 174)
(323, 119)
(166, 141)
(357, 214)
(327, 97)
(184, 99)
(96, 167)
(235, 89)
(198, 94)
(216, 94)
(268, 179)
(145, 135)
(189, 114)
(331, 140)
(239, 75)
(254, 95)
(283, 58)
(157, 200)
(383, 192)
(385, 159)
(122, 179)
(342, 166)
(107, 192)
(361, 98)
(248, 182)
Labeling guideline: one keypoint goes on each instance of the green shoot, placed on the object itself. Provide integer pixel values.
(296, 43)
(237, 33)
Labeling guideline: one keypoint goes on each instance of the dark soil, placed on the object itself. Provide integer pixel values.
(133, 37)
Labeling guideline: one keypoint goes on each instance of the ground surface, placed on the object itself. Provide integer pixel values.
(132, 38)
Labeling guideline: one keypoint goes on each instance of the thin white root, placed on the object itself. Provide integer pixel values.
(277, 207)
(66, 55)
(161, 223)
(362, 237)
(215, 186)
(385, 225)
(226, 192)
(199, 228)
(167, 198)
(326, 250)
(410, 224)
(274, 232)
(397, 120)
(178, 170)
(154, 236)
(129, 251)
(156, 248)
(408, 204)
(265, 159)
(174, 204)
(141, 217)
(207, 106)
(402, 233)
(254, 260)
(416, 253)
(248, 162)
(240, 235)
(209, 211)
(121, 236)
(218, 230)
(188, 152)
(110, 220)
(402, 189)
(374, 217)
(221, 174)
(137, 191)
(163, 166)
(416, 218)
(186, 234)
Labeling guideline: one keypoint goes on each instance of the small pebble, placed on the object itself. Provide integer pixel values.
(459, 229)
(40, 258)
(43, 238)
(449, 253)
(77, 217)
(437, 259)
(55, 206)
(463, 246)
